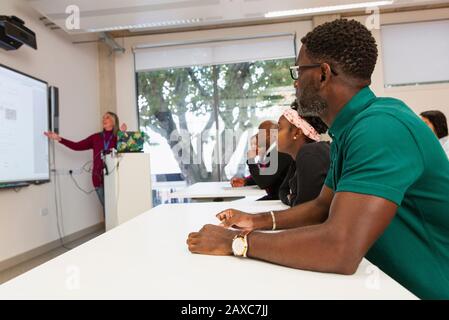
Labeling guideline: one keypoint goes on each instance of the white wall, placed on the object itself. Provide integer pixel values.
(418, 98)
(422, 97)
(74, 69)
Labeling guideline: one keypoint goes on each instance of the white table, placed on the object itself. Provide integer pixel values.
(147, 258)
(208, 191)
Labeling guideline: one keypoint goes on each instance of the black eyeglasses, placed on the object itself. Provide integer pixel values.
(295, 70)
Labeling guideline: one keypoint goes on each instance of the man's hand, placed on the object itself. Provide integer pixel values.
(232, 218)
(237, 182)
(212, 240)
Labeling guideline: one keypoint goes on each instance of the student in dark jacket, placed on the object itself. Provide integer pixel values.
(267, 166)
(300, 138)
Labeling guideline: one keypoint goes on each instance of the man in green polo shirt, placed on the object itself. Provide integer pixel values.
(386, 196)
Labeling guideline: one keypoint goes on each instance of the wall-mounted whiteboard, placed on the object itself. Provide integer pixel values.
(415, 53)
(24, 152)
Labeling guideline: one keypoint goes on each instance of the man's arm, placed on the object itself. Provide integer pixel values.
(263, 181)
(249, 181)
(355, 222)
(306, 214)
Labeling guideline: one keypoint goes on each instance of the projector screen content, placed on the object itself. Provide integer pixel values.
(24, 154)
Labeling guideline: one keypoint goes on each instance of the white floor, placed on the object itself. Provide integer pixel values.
(23, 267)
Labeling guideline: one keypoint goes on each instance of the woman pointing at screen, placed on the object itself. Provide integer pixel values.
(100, 142)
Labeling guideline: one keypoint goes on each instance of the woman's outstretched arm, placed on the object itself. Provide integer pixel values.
(85, 144)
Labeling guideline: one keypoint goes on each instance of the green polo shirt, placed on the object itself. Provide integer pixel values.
(381, 148)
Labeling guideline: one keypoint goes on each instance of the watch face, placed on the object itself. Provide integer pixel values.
(238, 246)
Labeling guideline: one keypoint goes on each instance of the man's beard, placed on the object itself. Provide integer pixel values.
(310, 102)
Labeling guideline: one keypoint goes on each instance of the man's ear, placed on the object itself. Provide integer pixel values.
(325, 73)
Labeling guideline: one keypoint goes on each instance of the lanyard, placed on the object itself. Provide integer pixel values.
(106, 144)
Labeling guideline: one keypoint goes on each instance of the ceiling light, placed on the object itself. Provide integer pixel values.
(147, 25)
(339, 7)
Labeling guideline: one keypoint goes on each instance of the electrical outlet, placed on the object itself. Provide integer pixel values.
(44, 212)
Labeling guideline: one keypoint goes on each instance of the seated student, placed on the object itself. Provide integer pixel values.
(299, 137)
(386, 193)
(436, 120)
(267, 166)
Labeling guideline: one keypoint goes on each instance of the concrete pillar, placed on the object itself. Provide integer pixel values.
(106, 66)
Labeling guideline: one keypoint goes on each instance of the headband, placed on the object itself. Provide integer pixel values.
(295, 119)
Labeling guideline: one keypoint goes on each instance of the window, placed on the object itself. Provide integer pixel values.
(199, 118)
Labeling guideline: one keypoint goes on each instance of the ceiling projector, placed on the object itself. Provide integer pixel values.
(13, 34)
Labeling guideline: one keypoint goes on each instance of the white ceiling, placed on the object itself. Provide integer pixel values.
(137, 15)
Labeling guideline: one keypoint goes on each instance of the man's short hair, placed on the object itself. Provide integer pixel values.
(347, 44)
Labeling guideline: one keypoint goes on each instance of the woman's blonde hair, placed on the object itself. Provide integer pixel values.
(116, 122)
